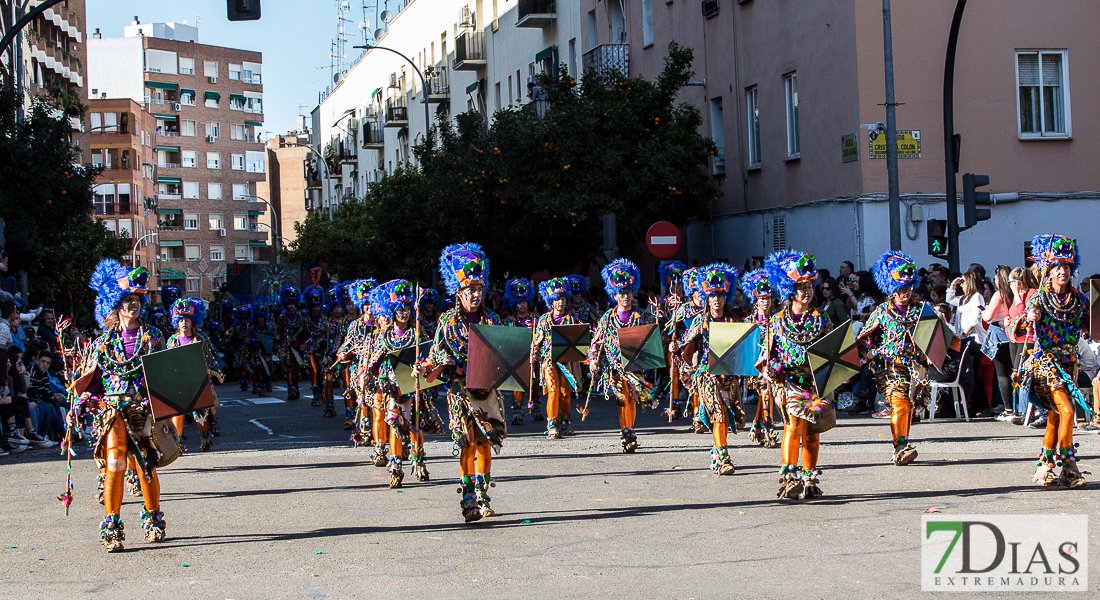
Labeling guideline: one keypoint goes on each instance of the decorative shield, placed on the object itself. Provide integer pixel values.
(267, 343)
(734, 349)
(177, 381)
(499, 358)
(569, 343)
(834, 358)
(932, 336)
(641, 348)
(403, 361)
(1094, 309)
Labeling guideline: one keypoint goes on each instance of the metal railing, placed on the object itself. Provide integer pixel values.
(169, 165)
(397, 113)
(372, 134)
(535, 7)
(469, 46)
(606, 59)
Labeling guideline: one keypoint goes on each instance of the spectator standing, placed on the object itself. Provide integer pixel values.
(832, 305)
(996, 313)
(965, 295)
(1020, 338)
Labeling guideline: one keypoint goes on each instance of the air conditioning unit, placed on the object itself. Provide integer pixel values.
(210, 139)
(176, 106)
(221, 232)
(466, 17)
(215, 79)
(710, 8)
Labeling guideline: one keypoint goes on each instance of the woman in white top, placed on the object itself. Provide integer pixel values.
(996, 314)
(965, 294)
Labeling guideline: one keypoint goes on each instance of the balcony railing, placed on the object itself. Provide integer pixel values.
(170, 227)
(161, 133)
(536, 13)
(439, 88)
(608, 59)
(397, 116)
(469, 51)
(372, 135)
(169, 165)
(169, 196)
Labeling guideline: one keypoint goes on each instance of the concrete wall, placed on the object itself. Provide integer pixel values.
(116, 68)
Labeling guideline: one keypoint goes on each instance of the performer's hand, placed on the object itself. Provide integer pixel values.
(418, 370)
(592, 368)
(1033, 314)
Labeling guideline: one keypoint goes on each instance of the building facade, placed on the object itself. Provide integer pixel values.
(290, 170)
(122, 141)
(210, 156)
(784, 88)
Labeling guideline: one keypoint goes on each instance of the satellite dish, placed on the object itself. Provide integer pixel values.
(378, 33)
(336, 78)
(386, 16)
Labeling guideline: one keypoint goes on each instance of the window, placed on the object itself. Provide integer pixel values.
(250, 72)
(754, 127)
(210, 68)
(187, 66)
(160, 61)
(647, 23)
(241, 191)
(194, 251)
(97, 122)
(189, 158)
(256, 161)
(215, 222)
(211, 101)
(573, 58)
(111, 225)
(591, 29)
(234, 72)
(213, 160)
(236, 131)
(718, 134)
(187, 128)
(217, 281)
(191, 221)
(191, 190)
(212, 130)
(790, 85)
(217, 253)
(254, 103)
(240, 223)
(238, 162)
(194, 285)
(236, 103)
(187, 98)
(214, 191)
(240, 252)
(1043, 94)
(125, 228)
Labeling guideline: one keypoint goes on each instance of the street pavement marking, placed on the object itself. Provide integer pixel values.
(266, 400)
(257, 423)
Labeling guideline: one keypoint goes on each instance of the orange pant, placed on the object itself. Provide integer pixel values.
(118, 444)
(1059, 431)
(378, 423)
(719, 431)
(629, 409)
(557, 395)
(316, 375)
(901, 417)
(477, 458)
(794, 435)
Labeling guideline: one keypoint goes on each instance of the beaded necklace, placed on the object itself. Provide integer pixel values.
(1061, 319)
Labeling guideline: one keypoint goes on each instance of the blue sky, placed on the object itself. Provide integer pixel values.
(294, 41)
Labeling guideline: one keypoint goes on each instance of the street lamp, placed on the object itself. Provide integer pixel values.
(275, 233)
(138, 243)
(275, 219)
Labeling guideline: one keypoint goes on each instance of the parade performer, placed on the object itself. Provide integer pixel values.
(672, 296)
(783, 361)
(187, 318)
(290, 329)
(334, 338)
(316, 343)
(118, 398)
(579, 306)
(262, 359)
(357, 404)
(758, 289)
(519, 298)
(559, 381)
(429, 311)
(605, 360)
(717, 393)
(477, 421)
(409, 416)
(675, 330)
(887, 347)
(1057, 316)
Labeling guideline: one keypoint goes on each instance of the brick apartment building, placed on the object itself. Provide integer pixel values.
(122, 140)
(208, 105)
(288, 175)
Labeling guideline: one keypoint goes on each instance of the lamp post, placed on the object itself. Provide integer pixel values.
(275, 230)
(138, 243)
(423, 82)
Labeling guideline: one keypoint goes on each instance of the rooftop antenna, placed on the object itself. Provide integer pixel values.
(198, 20)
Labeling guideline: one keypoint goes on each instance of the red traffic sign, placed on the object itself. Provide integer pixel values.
(663, 239)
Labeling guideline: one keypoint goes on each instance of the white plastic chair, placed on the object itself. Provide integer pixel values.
(956, 394)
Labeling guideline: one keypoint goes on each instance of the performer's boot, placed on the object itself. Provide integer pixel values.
(257, 388)
(380, 455)
(811, 489)
(244, 384)
(567, 427)
(904, 452)
(207, 441)
(99, 482)
(720, 462)
(757, 434)
(1071, 476)
(791, 485)
(553, 429)
(349, 418)
(771, 437)
(152, 522)
(111, 533)
(629, 440)
(517, 408)
(483, 484)
(132, 483)
(315, 390)
(397, 475)
(533, 407)
(419, 467)
(292, 392)
(470, 510)
(215, 428)
(330, 408)
(1044, 472)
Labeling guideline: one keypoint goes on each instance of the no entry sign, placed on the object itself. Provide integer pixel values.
(663, 239)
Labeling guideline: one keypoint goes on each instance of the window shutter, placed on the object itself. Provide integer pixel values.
(1052, 69)
(1029, 69)
(779, 234)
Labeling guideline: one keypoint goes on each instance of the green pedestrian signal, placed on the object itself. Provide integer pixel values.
(937, 237)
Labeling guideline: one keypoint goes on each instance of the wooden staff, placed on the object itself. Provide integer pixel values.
(416, 361)
(66, 498)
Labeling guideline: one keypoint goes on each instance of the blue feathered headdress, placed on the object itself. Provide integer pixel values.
(169, 294)
(691, 281)
(314, 296)
(429, 296)
(787, 268)
(1051, 250)
(112, 282)
(332, 296)
(388, 297)
(670, 271)
(553, 289)
(620, 276)
(716, 279)
(190, 307)
(756, 285)
(519, 290)
(289, 295)
(463, 265)
(894, 271)
(360, 291)
(578, 284)
(243, 313)
(343, 292)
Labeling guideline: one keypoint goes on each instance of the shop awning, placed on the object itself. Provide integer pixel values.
(171, 211)
(160, 86)
(255, 213)
(171, 243)
(257, 244)
(169, 273)
(187, 91)
(166, 117)
(253, 123)
(212, 96)
(168, 148)
(238, 97)
(175, 180)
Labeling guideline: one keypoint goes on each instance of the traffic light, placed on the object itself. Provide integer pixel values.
(243, 10)
(971, 199)
(937, 237)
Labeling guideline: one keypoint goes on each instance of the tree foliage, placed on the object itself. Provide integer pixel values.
(46, 203)
(532, 187)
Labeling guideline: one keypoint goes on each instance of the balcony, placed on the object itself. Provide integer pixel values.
(470, 51)
(537, 13)
(163, 133)
(608, 60)
(396, 116)
(162, 196)
(373, 139)
(169, 165)
(167, 227)
(439, 88)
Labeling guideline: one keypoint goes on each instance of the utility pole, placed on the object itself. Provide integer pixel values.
(891, 130)
(949, 157)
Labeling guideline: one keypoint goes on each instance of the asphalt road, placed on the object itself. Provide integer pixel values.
(284, 507)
